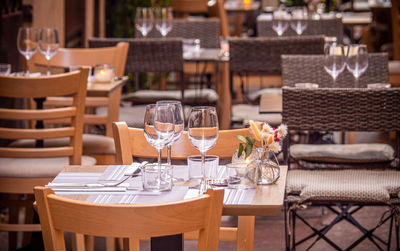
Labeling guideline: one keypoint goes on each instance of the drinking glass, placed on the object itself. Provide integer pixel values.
(179, 123)
(48, 44)
(203, 133)
(280, 21)
(164, 19)
(27, 43)
(144, 20)
(357, 61)
(5, 69)
(159, 128)
(334, 60)
(299, 20)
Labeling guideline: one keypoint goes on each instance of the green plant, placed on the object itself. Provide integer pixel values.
(246, 145)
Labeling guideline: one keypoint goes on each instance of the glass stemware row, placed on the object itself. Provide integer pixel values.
(353, 57)
(164, 125)
(30, 39)
(144, 20)
(297, 19)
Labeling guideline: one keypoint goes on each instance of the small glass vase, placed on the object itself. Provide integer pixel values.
(267, 167)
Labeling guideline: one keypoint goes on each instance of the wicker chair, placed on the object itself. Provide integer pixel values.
(348, 189)
(310, 69)
(205, 29)
(332, 27)
(261, 56)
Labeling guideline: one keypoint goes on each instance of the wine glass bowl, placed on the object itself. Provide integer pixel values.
(27, 43)
(280, 21)
(334, 60)
(357, 60)
(48, 44)
(144, 20)
(298, 22)
(203, 133)
(164, 18)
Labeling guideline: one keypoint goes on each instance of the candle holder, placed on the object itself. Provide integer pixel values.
(104, 73)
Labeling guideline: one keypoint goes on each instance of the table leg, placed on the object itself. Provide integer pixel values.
(239, 24)
(167, 243)
(245, 235)
(224, 94)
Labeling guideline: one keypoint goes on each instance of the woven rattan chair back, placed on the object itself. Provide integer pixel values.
(328, 27)
(263, 55)
(341, 109)
(310, 69)
(58, 214)
(205, 29)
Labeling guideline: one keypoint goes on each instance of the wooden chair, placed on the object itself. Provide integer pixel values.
(99, 146)
(130, 142)
(58, 214)
(23, 168)
(218, 10)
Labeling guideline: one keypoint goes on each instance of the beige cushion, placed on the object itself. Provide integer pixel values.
(253, 96)
(37, 167)
(354, 153)
(243, 113)
(394, 67)
(344, 185)
(149, 96)
(92, 144)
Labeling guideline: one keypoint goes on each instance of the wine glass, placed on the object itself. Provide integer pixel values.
(164, 19)
(179, 123)
(280, 21)
(299, 20)
(357, 61)
(144, 20)
(203, 133)
(334, 60)
(27, 43)
(48, 44)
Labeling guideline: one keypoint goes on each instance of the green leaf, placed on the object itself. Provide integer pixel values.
(248, 150)
(251, 140)
(240, 150)
(241, 138)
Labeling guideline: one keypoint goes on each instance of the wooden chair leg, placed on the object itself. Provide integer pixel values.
(110, 244)
(131, 244)
(13, 215)
(245, 238)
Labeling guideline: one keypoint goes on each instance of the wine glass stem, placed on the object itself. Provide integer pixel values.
(48, 67)
(356, 83)
(169, 149)
(159, 167)
(334, 82)
(27, 67)
(203, 175)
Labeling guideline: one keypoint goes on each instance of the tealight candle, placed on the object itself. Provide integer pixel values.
(104, 73)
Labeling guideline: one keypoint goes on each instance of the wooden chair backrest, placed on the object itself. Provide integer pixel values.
(66, 57)
(218, 10)
(58, 214)
(132, 142)
(73, 84)
(395, 13)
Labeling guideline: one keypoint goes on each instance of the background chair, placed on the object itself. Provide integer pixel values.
(330, 27)
(260, 57)
(59, 214)
(130, 142)
(310, 69)
(343, 191)
(23, 168)
(98, 146)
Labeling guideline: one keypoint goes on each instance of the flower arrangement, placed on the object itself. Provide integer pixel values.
(264, 135)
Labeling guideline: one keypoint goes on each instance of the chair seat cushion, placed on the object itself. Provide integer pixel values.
(344, 185)
(343, 153)
(191, 95)
(253, 96)
(37, 167)
(394, 67)
(244, 112)
(91, 144)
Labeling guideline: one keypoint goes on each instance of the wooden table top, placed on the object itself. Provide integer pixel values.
(267, 200)
(270, 103)
(103, 89)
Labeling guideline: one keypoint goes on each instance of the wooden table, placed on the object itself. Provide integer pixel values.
(222, 70)
(267, 201)
(240, 8)
(270, 103)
